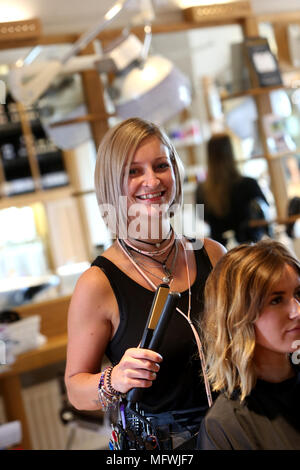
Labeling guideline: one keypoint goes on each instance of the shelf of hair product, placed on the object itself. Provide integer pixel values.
(276, 133)
(31, 167)
(264, 123)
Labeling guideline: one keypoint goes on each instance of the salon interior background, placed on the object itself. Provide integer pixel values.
(46, 245)
(42, 261)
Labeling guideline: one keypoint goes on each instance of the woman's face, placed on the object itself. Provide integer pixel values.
(278, 327)
(151, 182)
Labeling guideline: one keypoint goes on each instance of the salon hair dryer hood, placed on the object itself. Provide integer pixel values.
(156, 91)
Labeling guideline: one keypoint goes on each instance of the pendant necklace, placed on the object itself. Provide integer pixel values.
(168, 271)
(163, 264)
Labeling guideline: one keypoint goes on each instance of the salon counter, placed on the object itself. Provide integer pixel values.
(53, 315)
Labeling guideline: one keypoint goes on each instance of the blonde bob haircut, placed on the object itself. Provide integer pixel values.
(235, 293)
(115, 155)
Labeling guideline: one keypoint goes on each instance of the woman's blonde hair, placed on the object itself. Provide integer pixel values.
(222, 173)
(115, 154)
(235, 293)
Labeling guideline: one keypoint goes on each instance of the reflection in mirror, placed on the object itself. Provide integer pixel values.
(198, 53)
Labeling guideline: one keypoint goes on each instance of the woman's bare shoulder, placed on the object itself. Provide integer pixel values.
(93, 279)
(214, 250)
(92, 292)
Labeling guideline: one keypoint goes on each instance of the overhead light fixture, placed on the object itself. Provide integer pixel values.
(216, 9)
(153, 88)
(28, 93)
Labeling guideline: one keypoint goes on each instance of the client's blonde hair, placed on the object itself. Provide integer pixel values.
(235, 293)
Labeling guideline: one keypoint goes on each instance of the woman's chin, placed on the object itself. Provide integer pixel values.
(146, 218)
(149, 209)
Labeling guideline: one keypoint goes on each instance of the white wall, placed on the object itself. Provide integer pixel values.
(273, 6)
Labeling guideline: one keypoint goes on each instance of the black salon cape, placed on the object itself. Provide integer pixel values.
(268, 420)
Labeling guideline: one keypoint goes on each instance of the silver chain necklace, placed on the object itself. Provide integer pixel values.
(168, 271)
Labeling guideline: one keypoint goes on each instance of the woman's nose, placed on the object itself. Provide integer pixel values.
(295, 309)
(150, 179)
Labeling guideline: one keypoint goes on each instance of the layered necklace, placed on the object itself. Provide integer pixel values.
(171, 248)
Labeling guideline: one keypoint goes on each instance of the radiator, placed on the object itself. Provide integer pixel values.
(42, 405)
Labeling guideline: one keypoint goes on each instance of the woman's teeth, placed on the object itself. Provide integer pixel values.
(150, 196)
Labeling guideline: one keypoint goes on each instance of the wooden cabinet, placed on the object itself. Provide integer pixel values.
(29, 160)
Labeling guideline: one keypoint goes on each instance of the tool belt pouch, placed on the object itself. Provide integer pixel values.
(131, 430)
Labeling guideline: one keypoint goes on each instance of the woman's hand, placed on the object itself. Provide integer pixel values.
(137, 368)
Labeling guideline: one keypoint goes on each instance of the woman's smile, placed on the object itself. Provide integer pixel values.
(151, 179)
(151, 197)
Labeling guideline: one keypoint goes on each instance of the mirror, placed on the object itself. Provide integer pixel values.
(210, 54)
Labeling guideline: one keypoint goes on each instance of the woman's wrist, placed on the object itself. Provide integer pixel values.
(107, 382)
(107, 394)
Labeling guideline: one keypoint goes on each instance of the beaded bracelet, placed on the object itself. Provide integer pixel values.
(111, 397)
(109, 386)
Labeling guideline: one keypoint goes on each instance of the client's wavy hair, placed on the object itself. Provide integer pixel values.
(235, 294)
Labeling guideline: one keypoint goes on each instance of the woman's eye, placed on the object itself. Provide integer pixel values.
(297, 295)
(164, 165)
(275, 300)
(133, 172)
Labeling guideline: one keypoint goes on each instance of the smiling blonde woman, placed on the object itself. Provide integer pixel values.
(112, 299)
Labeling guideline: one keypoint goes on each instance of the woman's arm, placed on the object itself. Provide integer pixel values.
(92, 321)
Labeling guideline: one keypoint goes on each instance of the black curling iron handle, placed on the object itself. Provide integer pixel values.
(168, 310)
(134, 395)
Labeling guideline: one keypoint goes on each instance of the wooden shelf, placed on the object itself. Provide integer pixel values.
(252, 92)
(26, 199)
(269, 156)
(279, 221)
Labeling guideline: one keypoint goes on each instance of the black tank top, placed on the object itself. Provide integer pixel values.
(178, 385)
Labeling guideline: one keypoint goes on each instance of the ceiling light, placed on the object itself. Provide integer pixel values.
(11, 12)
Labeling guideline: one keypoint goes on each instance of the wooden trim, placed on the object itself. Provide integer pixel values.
(29, 142)
(231, 10)
(270, 156)
(20, 30)
(11, 388)
(252, 92)
(110, 34)
(282, 41)
(92, 86)
(53, 351)
(280, 17)
(53, 315)
(36, 196)
(41, 41)
(279, 220)
(85, 118)
(157, 28)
